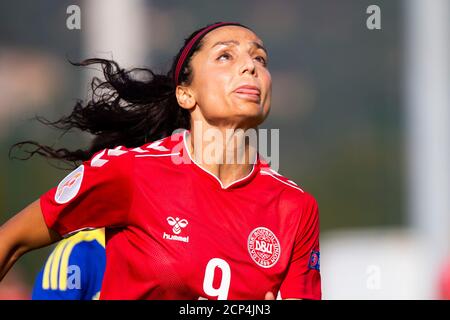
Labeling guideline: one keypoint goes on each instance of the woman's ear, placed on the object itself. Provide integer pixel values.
(185, 97)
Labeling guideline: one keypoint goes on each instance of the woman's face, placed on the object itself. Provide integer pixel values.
(231, 84)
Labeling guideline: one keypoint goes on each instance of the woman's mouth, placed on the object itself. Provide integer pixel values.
(248, 92)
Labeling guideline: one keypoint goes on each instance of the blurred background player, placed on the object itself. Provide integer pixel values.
(444, 281)
(74, 270)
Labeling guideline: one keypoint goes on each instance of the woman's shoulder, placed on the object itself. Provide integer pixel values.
(167, 146)
(284, 184)
(155, 149)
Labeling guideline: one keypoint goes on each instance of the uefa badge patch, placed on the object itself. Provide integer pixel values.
(264, 247)
(314, 260)
(68, 188)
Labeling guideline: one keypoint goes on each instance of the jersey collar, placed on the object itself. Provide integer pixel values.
(216, 181)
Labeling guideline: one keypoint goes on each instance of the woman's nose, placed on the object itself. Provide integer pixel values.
(247, 65)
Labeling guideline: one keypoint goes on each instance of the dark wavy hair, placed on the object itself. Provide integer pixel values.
(123, 109)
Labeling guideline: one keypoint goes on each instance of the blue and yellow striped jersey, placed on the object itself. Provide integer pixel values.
(74, 270)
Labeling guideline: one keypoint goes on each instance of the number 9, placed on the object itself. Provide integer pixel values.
(222, 291)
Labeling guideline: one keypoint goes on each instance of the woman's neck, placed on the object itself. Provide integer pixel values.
(227, 153)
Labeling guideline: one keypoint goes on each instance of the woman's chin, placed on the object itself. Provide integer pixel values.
(251, 117)
(250, 109)
(253, 111)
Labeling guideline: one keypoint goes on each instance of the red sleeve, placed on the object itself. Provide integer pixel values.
(303, 280)
(96, 194)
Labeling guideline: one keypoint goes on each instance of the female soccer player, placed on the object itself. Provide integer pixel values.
(180, 225)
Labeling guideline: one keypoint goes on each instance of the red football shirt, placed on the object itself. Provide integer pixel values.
(174, 232)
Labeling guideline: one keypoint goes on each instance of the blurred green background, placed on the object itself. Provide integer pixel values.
(336, 97)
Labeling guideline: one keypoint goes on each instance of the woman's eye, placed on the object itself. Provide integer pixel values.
(262, 60)
(224, 55)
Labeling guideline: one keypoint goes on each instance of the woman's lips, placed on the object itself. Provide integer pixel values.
(249, 93)
(247, 90)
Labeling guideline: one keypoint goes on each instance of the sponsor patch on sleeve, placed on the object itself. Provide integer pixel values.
(68, 188)
(314, 260)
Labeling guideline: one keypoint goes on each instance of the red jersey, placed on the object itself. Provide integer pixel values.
(173, 231)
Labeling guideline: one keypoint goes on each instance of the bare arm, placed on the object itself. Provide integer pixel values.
(23, 232)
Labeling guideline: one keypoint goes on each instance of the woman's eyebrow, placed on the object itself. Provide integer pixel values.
(236, 43)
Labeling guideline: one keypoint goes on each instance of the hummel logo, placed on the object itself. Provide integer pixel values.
(177, 224)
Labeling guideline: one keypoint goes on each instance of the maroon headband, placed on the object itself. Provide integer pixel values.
(191, 44)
